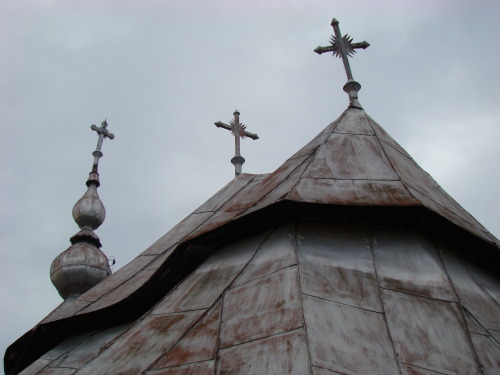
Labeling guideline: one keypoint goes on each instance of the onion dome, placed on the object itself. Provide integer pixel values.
(83, 265)
(89, 212)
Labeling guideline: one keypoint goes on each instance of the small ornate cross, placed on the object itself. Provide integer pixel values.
(238, 129)
(342, 47)
(102, 132)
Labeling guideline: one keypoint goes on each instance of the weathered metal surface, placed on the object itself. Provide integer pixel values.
(199, 368)
(281, 354)
(325, 191)
(361, 158)
(228, 191)
(488, 280)
(336, 264)
(473, 325)
(355, 122)
(276, 252)
(429, 333)
(118, 294)
(65, 309)
(215, 221)
(143, 343)
(89, 348)
(475, 300)
(281, 190)
(321, 138)
(57, 371)
(412, 175)
(199, 344)
(412, 370)
(488, 352)
(323, 371)
(36, 366)
(495, 335)
(385, 137)
(202, 288)
(178, 232)
(78, 269)
(344, 192)
(348, 339)
(406, 261)
(256, 192)
(67, 346)
(118, 278)
(453, 217)
(261, 308)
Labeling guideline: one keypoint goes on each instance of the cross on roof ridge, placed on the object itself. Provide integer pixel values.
(343, 47)
(238, 130)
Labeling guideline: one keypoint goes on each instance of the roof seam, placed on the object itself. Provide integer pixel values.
(344, 304)
(387, 156)
(301, 292)
(349, 179)
(372, 245)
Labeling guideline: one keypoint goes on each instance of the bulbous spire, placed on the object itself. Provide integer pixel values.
(78, 269)
(89, 212)
(83, 265)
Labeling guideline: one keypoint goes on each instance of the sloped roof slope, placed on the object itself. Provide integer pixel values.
(318, 298)
(352, 162)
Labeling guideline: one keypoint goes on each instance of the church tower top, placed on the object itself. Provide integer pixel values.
(83, 264)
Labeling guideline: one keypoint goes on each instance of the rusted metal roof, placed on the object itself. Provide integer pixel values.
(308, 297)
(303, 298)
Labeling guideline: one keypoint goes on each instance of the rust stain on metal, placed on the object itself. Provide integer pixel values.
(262, 307)
(281, 354)
(200, 343)
(202, 288)
(478, 303)
(407, 261)
(276, 253)
(341, 338)
(200, 368)
(344, 192)
(336, 264)
(137, 348)
(439, 341)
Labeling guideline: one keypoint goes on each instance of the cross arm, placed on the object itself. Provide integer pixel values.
(102, 131)
(319, 50)
(220, 124)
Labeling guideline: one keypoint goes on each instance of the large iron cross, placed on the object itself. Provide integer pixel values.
(102, 132)
(342, 46)
(238, 130)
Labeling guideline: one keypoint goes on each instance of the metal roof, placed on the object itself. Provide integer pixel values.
(352, 162)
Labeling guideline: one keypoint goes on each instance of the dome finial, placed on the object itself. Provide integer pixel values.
(83, 265)
(343, 47)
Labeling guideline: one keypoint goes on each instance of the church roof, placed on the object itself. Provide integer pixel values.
(352, 162)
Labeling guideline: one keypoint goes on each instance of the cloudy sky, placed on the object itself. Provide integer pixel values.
(163, 71)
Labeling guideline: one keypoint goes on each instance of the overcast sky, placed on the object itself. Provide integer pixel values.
(163, 71)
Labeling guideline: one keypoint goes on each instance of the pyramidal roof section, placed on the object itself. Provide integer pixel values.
(352, 162)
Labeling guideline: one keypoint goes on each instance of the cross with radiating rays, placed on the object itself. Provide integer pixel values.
(238, 129)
